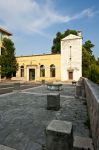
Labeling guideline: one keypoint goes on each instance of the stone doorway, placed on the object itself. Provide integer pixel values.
(70, 75)
(31, 74)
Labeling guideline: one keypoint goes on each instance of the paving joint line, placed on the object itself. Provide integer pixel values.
(34, 93)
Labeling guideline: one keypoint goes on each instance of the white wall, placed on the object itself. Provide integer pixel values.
(75, 64)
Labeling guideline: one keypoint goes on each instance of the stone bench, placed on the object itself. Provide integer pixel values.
(16, 86)
(74, 82)
(59, 135)
(6, 90)
(54, 86)
(53, 101)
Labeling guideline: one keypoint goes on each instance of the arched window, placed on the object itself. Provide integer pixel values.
(42, 71)
(52, 70)
(22, 71)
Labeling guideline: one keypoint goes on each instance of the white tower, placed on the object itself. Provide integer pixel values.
(71, 57)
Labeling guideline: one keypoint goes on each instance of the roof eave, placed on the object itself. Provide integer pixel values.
(5, 31)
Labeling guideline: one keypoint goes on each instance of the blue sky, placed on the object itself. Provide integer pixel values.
(34, 23)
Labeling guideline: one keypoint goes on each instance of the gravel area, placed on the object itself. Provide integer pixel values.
(24, 117)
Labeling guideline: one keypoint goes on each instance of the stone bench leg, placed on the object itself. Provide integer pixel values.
(16, 86)
(59, 135)
(78, 90)
(83, 92)
(53, 101)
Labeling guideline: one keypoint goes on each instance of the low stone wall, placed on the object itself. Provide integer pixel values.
(92, 96)
(2, 85)
(6, 90)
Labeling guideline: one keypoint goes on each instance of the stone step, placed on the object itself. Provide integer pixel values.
(2, 147)
(82, 143)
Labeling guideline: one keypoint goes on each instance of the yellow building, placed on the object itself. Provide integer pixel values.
(51, 67)
(39, 67)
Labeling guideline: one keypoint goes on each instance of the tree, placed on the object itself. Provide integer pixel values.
(8, 61)
(88, 46)
(97, 61)
(87, 58)
(85, 63)
(94, 73)
(57, 40)
(90, 66)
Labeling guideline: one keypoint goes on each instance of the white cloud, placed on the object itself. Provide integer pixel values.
(85, 13)
(31, 16)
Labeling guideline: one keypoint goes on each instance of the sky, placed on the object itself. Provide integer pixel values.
(34, 23)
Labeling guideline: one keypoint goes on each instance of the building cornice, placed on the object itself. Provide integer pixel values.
(5, 31)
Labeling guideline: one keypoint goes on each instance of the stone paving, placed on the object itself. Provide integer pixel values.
(24, 117)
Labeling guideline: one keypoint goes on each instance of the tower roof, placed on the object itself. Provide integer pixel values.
(5, 31)
(71, 37)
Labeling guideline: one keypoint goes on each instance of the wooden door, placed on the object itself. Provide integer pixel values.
(70, 75)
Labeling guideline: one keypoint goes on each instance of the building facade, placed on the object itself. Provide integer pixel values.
(71, 57)
(39, 67)
(66, 66)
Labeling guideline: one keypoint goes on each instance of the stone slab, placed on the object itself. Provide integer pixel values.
(2, 147)
(60, 126)
(55, 86)
(84, 143)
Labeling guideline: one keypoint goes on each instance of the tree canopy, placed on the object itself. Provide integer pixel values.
(8, 61)
(57, 40)
(88, 46)
(90, 65)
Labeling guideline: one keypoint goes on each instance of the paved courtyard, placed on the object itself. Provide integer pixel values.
(24, 117)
